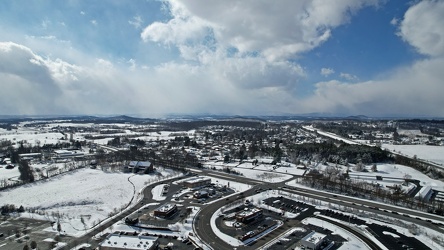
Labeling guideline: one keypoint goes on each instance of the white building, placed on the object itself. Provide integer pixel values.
(313, 240)
(196, 181)
(65, 154)
(117, 242)
(425, 193)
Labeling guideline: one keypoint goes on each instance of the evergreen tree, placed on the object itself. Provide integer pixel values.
(33, 245)
(26, 173)
(59, 227)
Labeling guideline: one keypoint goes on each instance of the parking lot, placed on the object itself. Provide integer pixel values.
(394, 240)
(16, 232)
(287, 205)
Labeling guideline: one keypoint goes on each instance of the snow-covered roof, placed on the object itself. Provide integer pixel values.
(249, 212)
(129, 242)
(196, 179)
(424, 193)
(140, 164)
(166, 207)
(314, 237)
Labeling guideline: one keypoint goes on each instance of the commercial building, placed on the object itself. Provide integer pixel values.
(166, 210)
(425, 193)
(30, 156)
(201, 194)
(120, 242)
(196, 181)
(67, 154)
(313, 240)
(140, 166)
(248, 215)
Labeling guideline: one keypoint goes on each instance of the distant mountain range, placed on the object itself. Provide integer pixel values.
(202, 117)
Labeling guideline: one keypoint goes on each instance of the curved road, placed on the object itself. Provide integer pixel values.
(206, 234)
(202, 224)
(147, 197)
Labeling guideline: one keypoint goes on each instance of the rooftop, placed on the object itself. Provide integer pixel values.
(196, 179)
(140, 163)
(314, 237)
(248, 212)
(166, 207)
(129, 242)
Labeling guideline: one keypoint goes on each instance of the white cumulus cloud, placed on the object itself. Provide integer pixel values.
(423, 27)
(276, 30)
(348, 76)
(327, 71)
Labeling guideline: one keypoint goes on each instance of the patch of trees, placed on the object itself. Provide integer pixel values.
(346, 128)
(114, 142)
(26, 173)
(188, 125)
(358, 188)
(332, 152)
(111, 131)
(419, 165)
(415, 123)
(138, 142)
(11, 208)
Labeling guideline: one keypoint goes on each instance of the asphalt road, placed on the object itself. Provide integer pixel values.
(206, 234)
(147, 197)
(202, 224)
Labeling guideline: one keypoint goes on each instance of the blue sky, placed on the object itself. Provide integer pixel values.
(151, 58)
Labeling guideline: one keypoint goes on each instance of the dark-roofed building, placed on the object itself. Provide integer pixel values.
(248, 215)
(140, 167)
(166, 210)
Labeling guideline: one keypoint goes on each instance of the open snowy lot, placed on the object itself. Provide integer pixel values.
(31, 137)
(6, 174)
(286, 168)
(395, 171)
(266, 176)
(81, 198)
(425, 152)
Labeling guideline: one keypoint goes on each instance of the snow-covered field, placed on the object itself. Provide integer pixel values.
(425, 152)
(157, 192)
(328, 134)
(8, 173)
(84, 195)
(236, 186)
(266, 176)
(31, 137)
(387, 171)
(286, 168)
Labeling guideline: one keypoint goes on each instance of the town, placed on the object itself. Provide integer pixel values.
(221, 183)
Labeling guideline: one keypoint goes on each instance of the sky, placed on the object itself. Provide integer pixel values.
(151, 58)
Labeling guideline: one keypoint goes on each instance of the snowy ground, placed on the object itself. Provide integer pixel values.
(352, 242)
(266, 176)
(157, 192)
(83, 195)
(430, 153)
(331, 135)
(286, 168)
(236, 186)
(387, 171)
(425, 235)
(31, 137)
(214, 165)
(8, 173)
